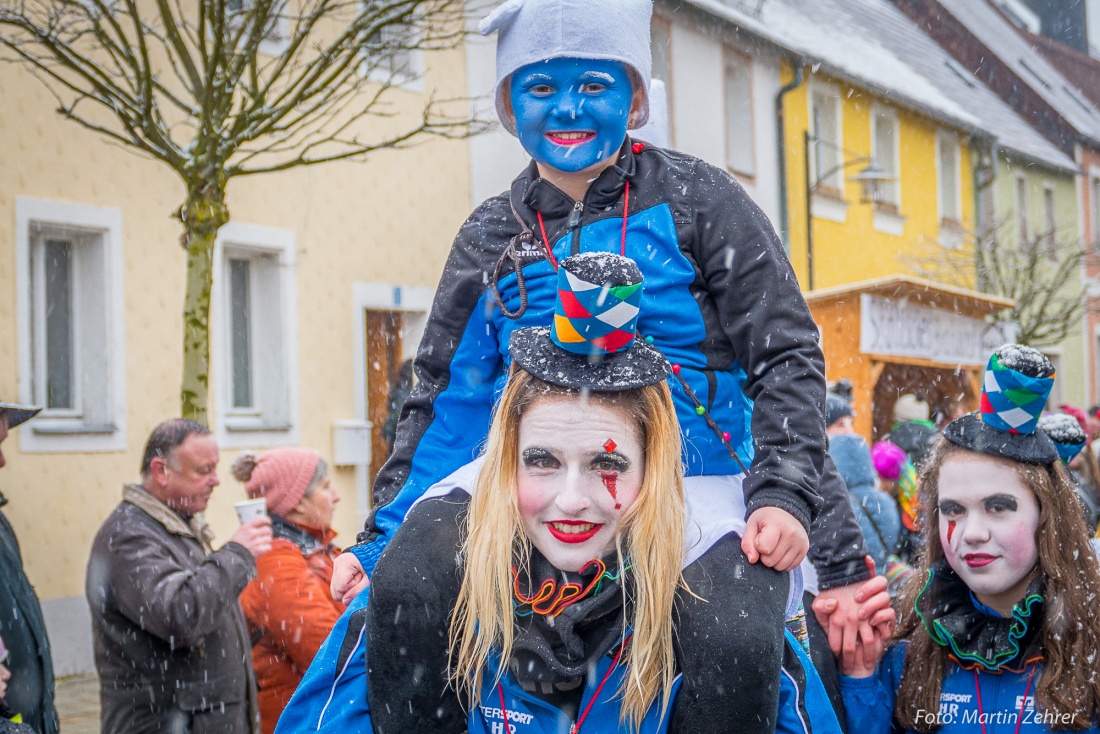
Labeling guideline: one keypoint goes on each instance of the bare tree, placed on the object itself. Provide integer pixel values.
(217, 89)
(1043, 274)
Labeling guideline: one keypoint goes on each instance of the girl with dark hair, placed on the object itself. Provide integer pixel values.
(999, 631)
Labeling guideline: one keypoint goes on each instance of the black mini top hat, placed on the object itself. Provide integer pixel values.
(1017, 382)
(18, 414)
(593, 343)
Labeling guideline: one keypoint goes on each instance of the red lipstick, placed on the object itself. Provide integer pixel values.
(977, 560)
(573, 537)
(557, 139)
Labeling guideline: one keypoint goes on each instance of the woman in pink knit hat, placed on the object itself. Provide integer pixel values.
(288, 607)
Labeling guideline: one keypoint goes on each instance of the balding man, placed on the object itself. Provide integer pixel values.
(171, 645)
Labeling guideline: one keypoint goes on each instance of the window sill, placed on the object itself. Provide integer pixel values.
(253, 426)
(952, 234)
(43, 427)
(889, 223)
(48, 435)
(826, 206)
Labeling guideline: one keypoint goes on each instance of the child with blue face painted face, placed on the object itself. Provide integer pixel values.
(720, 302)
(572, 115)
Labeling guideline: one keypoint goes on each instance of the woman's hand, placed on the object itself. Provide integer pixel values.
(859, 622)
(775, 538)
(348, 578)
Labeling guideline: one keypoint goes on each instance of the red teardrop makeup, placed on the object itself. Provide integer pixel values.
(580, 468)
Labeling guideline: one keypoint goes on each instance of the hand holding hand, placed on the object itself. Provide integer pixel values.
(255, 535)
(774, 537)
(348, 578)
(858, 620)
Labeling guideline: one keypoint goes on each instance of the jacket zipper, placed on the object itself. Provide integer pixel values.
(575, 227)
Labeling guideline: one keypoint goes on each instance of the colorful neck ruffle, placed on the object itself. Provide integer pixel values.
(946, 609)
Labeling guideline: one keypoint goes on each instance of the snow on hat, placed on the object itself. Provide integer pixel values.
(1017, 382)
(911, 408)
(1066, 433)
(281, 476)
(836, 408)
(538, 30)
(592, 344)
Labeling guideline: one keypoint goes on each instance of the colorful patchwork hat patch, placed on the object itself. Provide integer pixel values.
(592, 344)
(1066, 433)
(599, 295)
(1017, 383)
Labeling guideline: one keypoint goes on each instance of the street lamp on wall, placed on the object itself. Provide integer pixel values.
(870, 179)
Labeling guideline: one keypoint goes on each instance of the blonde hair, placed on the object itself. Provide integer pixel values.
(651, 535)
(1070, 629)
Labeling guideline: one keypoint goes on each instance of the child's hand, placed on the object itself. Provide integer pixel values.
(774, 537)
(348, 578)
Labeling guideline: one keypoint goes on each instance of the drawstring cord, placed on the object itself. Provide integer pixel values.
(1023, 702)
(576, 728)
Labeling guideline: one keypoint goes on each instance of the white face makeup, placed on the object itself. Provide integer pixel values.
(580, 468)
(988, 524)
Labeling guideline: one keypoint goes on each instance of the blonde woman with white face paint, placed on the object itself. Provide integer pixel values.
(999, 631)
(576, 556)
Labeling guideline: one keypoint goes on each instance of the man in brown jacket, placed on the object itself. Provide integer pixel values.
(171, 645)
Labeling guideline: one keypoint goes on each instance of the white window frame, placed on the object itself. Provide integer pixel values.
(1094, 208)
(271, 424)
(416, 302)
(836, 182)
(951, 229)
(64, 430)
(410, 79)
(1022, 209)
(730, 56)
(951, 138)
(879, 157)
(1050, 215)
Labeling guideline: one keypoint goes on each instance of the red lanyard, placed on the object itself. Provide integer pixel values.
(622, 246)
(1023, 703)
(576, 728)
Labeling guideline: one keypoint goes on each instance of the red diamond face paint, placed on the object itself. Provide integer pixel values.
(950, 529)
(609, 446)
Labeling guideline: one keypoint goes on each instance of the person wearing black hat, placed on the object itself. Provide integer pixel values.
(577, 548)
(30, 692)
(999, 629)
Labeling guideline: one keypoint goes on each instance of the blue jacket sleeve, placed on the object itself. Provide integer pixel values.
(804, 706)
(331, 698)
(869, 702)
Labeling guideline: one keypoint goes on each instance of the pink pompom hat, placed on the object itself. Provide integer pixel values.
(282, 476)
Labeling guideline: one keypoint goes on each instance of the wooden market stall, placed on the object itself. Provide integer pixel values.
(903, 334)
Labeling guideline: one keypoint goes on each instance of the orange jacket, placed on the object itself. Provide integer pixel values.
(290, 609)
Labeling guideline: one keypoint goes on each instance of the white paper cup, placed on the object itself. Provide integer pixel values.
(250, 509)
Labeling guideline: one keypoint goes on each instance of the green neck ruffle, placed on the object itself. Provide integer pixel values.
(947, 610)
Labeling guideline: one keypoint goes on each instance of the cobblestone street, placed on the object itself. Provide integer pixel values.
(78, 704)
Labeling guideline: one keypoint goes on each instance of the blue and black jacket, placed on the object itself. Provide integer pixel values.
(973, 700)
(721, 300)
(804, 706)
(331, 698)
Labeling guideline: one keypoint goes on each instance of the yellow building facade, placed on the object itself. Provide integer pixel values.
(854, 240)
(335, 266)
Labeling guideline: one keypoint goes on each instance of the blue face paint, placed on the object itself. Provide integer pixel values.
(571, 113)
